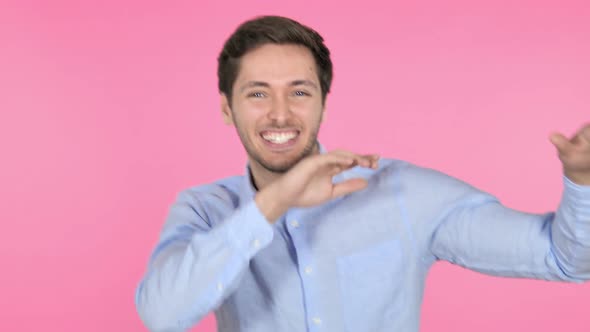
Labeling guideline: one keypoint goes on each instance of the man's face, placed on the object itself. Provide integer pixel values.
(276, 105)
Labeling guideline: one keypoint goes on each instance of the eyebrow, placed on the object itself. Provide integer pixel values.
(253, 84)
(304, 82)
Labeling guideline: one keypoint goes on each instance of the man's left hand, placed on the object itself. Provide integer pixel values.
(574, 154)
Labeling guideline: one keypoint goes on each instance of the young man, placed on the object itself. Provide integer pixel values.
(309, 240)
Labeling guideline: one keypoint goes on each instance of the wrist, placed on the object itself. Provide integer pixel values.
(269, 202)
(579, 178)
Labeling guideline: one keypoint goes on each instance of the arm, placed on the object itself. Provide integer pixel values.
(484, 235)
(481, 234)
(194, 266)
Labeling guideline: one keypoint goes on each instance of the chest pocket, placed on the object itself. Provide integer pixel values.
(370, 283)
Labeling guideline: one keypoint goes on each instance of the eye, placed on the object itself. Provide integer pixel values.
(301, 93)
(256, 95)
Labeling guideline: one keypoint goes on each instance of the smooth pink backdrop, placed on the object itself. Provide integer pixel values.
(109, 109)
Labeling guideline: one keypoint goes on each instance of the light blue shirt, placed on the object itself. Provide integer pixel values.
(355, 264)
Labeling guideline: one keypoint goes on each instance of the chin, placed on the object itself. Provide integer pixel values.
(280, 166)
(279, 161)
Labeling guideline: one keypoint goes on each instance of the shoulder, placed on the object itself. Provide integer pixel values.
(205, 205)
(219, 195)
(422, 181)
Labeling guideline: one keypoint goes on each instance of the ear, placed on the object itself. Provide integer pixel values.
(226, 113)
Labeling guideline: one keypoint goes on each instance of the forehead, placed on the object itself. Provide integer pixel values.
(277, 64)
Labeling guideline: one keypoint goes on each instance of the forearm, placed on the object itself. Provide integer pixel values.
(479, 233)
(571, 231)
(192, 272)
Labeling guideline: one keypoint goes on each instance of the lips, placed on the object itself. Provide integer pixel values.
(278, 139)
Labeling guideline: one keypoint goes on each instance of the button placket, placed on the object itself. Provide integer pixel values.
(317, 320)
(306, 269)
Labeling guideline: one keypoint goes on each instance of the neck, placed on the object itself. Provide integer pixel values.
(261, 176)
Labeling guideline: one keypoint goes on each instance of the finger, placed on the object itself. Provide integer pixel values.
(348, 186)
(355, 157)
(584, 133)
(561, 142)
(361, 160)
(335, 170)
(375, 161)
(332, 160)
(367, 160)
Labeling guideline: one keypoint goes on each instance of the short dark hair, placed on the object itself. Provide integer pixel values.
(271, 30)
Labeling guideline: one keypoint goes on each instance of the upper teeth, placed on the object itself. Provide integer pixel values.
(279, 138)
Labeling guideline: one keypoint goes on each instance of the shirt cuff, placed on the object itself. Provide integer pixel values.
(250, 231)
(577, 195)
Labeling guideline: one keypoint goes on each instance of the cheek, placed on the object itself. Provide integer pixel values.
(310, 112)
(248, 114)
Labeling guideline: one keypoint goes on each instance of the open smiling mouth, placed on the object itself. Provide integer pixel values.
(280, 139)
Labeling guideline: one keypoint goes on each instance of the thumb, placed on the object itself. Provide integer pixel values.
(348, 186)
(561, 142)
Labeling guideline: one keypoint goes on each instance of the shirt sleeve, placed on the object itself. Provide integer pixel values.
(195, 266)
(481, 234)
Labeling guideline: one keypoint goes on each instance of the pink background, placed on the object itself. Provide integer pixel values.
(108, 109)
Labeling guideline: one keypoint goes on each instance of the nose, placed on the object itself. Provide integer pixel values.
(280, 110)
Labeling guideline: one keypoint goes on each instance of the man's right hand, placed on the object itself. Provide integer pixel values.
(309, 183)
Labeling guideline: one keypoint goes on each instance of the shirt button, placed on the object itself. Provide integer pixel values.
(316, 320)
(295, 223)
(219, 286)
(256, 243)
(308, 270)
